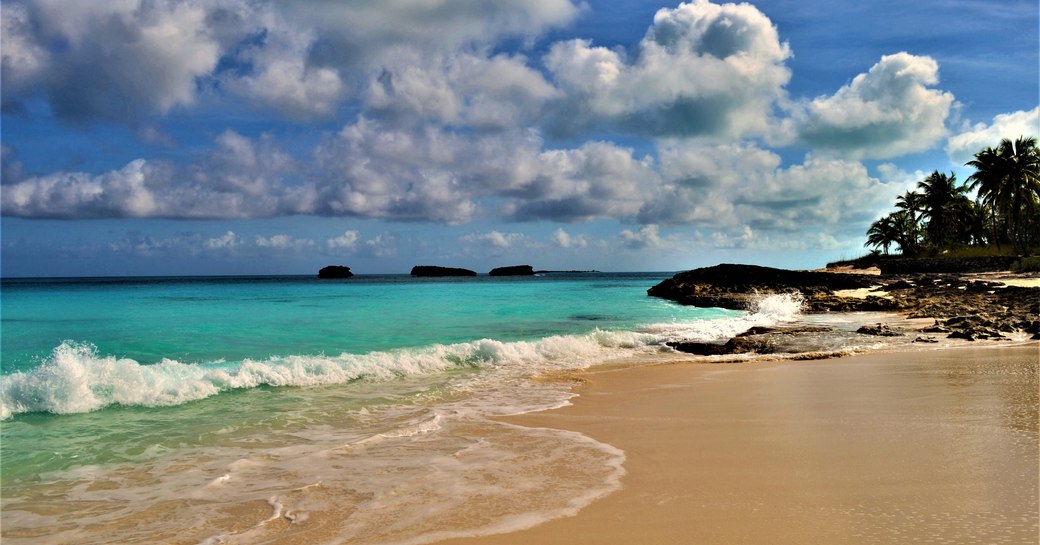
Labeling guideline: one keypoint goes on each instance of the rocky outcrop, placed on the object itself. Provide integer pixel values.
(963, 307)
(735, 286)
(516, 270)
(335, 271)
(434, 271)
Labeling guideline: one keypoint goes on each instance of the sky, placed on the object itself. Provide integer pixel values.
(216, 137)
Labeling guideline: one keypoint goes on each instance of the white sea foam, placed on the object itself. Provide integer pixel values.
(76, 378)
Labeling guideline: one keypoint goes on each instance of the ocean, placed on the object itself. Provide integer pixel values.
(292, 409)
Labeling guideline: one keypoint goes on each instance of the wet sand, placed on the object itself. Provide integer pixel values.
(916, 447)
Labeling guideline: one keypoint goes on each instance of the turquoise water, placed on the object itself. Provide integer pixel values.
(134, 408)
(197, 320)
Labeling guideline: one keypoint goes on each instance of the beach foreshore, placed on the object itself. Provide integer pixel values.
(926, 446)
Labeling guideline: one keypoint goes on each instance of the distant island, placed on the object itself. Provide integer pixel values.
(515, 270)
(335, 271)
(434, 271)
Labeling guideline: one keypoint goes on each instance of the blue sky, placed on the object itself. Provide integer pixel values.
(261, 137)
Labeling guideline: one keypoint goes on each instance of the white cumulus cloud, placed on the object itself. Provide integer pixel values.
(563, 239)
(890, 110)
(347, 242)
(646, 237)
(963, 146)
(702, 69)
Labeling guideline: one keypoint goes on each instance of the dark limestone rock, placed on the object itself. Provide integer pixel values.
(879, 330)
(434, 271)
(753, 344)
(898, 285)
(961, 335)
(936, 328)
(335, 271)
(975, 333)
(698, 348)
(516, 270)
(735, 286)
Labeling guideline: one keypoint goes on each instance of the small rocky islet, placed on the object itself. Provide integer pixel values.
(335, 271)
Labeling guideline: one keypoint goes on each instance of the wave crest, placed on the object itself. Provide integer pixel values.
(77, 379)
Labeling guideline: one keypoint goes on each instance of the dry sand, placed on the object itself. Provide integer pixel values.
(916, 447)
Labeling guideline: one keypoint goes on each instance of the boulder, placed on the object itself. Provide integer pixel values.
(879, 330)
(434, 271)
(515, 270)
(335, 271)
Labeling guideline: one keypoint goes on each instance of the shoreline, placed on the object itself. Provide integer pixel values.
(920, 446)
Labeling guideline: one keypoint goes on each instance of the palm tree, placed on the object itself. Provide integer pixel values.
(970, 225)
(883, 233)
(1008, 180)
(940, 195)
(896, 228)
(912, 203)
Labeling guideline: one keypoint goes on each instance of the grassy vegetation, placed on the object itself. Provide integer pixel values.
(1027, 264)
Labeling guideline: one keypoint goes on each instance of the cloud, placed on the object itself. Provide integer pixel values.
(370, 170)
(140, 244)
(373, 171)
(702, 69)
(120, 193)
(701, 181)
(114, 59)
(123, 61)
(283, 76)
(239, 178)
(749, 239)
(729, 186)
(347, 242)
(595, 181)
(228, 241)
(12, 169)
(963, 146)
(820, 192)
(496, 240)
(382, 245)
(563, 239)
(463, 89)
(351, 30)
(284, 243)
(889, 111)
(446, 127)
(647, 237)
(351, 243)
(23, 59)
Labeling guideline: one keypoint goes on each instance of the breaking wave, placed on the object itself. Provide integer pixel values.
(75, 378)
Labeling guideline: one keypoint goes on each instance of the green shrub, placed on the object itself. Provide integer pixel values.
(1027, 264)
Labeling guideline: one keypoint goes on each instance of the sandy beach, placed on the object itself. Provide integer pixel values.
(906, 447)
